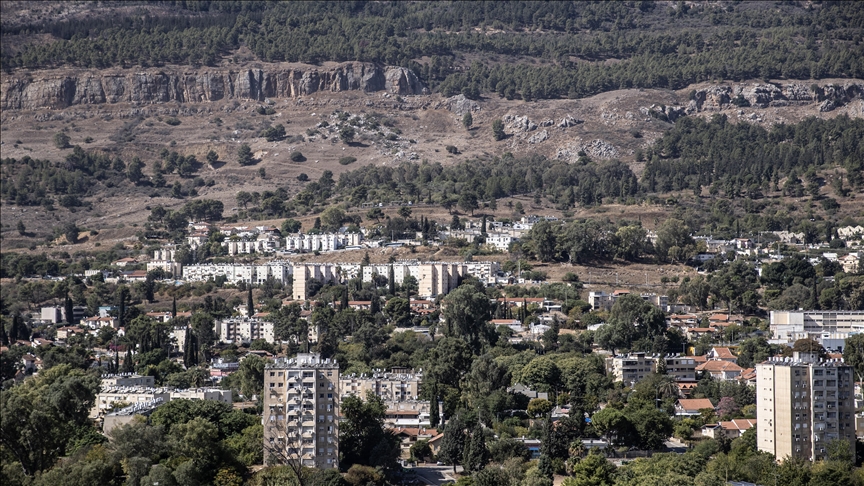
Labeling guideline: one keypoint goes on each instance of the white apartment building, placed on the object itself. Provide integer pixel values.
(244, 330)
(790, 326)
(171, 269)
(234, 273)
(301, 411)
(113, 396)
(500, 241)
(630, 368)
(301, 242)
(802, 404)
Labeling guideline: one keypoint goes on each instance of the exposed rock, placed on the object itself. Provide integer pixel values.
(458, 104)
(717, 98)
(538, 137)
(827, 105)
(547, 123)
(22, 91)
(569, 121)
(596, 148)
(519, 123)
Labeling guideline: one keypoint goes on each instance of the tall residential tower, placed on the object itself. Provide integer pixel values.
(301, 411)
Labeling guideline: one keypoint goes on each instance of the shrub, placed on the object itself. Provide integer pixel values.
(498, 130)
(452, 149)
(61, 140)
(296, 156)
(347, 160)
(173, 121)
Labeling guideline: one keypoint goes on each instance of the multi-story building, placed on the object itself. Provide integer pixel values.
(500, 241)
(397, 386)
(234, 273)
(793, 325)
(169, 268)
(630, 368)
(244, 330)
(128, 379)
(681, 368)
(803, 404)
(301, 411)
(321, 242)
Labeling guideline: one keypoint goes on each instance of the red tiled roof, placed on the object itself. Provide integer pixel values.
(738, 424)
(716, 366)
(724, 353)
(695, 404)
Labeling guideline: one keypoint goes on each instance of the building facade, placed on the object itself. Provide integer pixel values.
(631, 368)
(301, 411)
(803, 404)
(790, 326)
(244, 330)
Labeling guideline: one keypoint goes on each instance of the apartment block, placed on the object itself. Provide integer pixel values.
(681, 368)
(244, 330)
(793, 325)
(630, 368)
(395, 386)
(301, 411)
(803, 404)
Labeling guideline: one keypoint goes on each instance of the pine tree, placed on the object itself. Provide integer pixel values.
(476, 454)
(250, 308)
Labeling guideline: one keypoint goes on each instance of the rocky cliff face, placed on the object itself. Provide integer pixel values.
(27, 92)
(764, 95)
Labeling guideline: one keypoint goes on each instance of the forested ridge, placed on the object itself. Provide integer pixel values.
(530, 50)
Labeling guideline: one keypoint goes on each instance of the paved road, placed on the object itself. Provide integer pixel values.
(432, 474)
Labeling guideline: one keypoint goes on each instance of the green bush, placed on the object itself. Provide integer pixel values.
(173, 121)
(296, 156)
(347, 160)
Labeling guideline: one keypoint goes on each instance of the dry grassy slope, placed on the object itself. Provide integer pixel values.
(426, 124)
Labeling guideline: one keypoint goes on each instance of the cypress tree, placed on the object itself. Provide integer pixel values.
(453, 443)
(434, 414)
(250, 308)
(128, 363)
(174, 308)
(392, 279)
(375, 307)
(345, 298)
(187, 349)
(4, 339)
(483, 226)
(476, 454)
(67, 307)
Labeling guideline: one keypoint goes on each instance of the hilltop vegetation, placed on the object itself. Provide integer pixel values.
(530, 50)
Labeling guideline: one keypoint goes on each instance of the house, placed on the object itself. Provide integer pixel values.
(514, 324)
(66, 332)
(694, 333)
(748, 376)
(720, 370)
(851, 262)
(360, 304)
(722, 354)
(730, 429)
(435, 443)
(691, 407)
(135, 275)
(685, 388)
(125, 261)
(31, 363)
(533, 446)
(683, 320)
